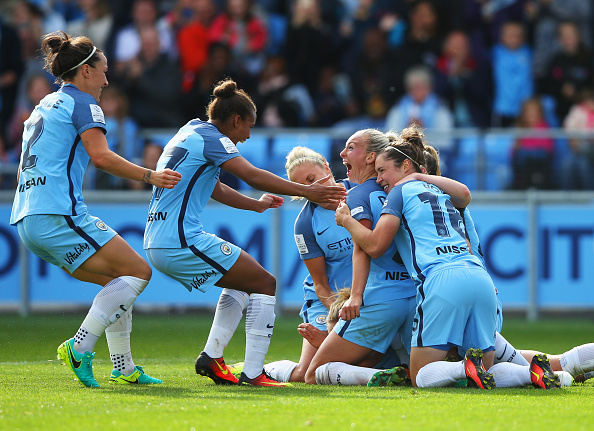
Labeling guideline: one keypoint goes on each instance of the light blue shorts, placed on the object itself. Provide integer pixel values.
(64, 241)
(200, 265)
(456, 306)
(378, 324)
(314, 312)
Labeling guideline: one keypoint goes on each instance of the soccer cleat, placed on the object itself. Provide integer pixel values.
(137, 377)
(236, 369)
(565, 379)
(475, 371)
(263, 379)
(215, 368)
(541, 374)
(393, 377)
(80, 363)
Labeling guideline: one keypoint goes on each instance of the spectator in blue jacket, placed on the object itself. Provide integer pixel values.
(512, 74)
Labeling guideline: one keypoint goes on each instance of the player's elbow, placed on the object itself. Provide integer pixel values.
(376, 251)
(101, 161)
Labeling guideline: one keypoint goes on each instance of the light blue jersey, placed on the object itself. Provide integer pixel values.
(472, 235)
(196, 152)
(435, 237)
(317, 234)
(53, 159)
(388, 278)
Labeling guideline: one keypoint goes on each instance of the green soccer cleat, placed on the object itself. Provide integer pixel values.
(80, 363)
(393, 377)
(236, 369)
(137, 377)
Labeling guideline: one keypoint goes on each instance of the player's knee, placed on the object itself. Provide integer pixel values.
(268, 285)
(143, 271)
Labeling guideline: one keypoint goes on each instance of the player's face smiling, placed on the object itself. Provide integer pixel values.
(388, 174)
(353, 157)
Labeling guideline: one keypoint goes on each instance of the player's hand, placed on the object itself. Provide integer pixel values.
(313, 335)
(165, 178)
(269, 201)
(342, 213)
(324, 194)
(351, 309)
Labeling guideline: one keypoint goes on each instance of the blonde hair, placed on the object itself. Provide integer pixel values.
(341, 296)
(300, 155)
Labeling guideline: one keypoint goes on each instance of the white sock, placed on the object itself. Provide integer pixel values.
(227, 316)
(578, 360)
(108, 306)
(505, 352)
(510, 375)
(339, 373)
(118, 342)
(281, 370)
(259, 321)
(440, 374)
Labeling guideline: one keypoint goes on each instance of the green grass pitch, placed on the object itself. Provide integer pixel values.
(37, 392)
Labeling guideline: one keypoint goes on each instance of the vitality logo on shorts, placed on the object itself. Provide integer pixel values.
(100, 225)
(226, 249)
(71, 256)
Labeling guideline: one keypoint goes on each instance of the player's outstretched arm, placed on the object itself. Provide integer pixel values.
(106, 160)
(227, 195)
(261, 179)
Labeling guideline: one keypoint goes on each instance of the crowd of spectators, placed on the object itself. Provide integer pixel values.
(344, 64)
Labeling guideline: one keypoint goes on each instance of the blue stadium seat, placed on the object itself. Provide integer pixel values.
(498, 156)
(255, 150)
(285, 142)
(464, 165)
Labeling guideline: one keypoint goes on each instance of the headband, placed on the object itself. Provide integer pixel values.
(82, 62)
(408, 157)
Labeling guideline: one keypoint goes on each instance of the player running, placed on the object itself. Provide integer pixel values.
(64, 131)
(177, 245)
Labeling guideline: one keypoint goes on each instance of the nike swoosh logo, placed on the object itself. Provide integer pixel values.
(122, 307)
(223, 370)
(536, 374)
(75, 363)
(319, 233)
(504, 349)
(269, 326)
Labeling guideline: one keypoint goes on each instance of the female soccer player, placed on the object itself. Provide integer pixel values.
(324, 247)
(177, 245)
(64, 131)
(456, 304)
(383, 295)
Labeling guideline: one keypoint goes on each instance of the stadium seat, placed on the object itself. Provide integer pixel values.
(464, 164)
(255, 150)
(498, 167)
(285, 142)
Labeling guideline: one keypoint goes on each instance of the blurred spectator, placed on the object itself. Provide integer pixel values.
(153, 83)
(330, 99)
(240, 28)
(281, 102)
(373, 80)
(123, 137)
(544, 16)
(577, 167)
(512, 70)
(217, 67)
(420, 104)
(307, 44)
(569, 70)
(422, 41)
(96, 23)
(37, 87)
(11, 68)
(533, 157)
(465, 82)
(192, 18)
(145, 14)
